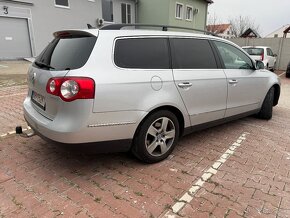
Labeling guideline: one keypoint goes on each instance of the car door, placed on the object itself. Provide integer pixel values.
(200, 83)
(271, 58)
(246, 85)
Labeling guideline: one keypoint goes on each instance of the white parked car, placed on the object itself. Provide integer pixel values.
(264, 54)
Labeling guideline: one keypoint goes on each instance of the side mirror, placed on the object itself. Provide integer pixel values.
(260, 65)
(275, 55)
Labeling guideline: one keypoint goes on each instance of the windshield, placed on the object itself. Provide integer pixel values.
(254, 51)
(66, 53)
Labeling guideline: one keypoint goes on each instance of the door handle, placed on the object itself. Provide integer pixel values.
(233, 81)
(184, 85)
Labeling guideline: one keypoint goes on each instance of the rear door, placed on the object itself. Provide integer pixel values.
(67, 52)
(246, 86)
(201, 84)
(271, 58)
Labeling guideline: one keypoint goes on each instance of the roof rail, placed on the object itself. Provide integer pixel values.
(164, 27)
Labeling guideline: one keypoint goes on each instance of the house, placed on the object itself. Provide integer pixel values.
(223, 30)
(183, 13)
(281, 32)
(27, 25)
(250, 33)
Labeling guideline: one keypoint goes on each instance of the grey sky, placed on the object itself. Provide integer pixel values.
(268, 14)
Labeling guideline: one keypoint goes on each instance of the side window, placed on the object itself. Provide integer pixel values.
(191, 53)
(142, 53)
(270, 52)
(232, 57)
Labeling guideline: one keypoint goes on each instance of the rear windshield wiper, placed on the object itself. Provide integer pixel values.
(41, 64)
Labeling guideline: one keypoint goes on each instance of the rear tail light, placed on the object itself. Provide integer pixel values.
(262, 57)
(71, 88)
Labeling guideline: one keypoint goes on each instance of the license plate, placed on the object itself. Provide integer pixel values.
(38, 99)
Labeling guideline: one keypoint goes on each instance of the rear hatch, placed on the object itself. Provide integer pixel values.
(70, 50)
(256, 53)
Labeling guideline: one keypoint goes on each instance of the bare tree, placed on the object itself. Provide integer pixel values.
(240, 24)
(212, 21)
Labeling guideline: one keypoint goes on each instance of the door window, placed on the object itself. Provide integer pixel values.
(269, 52)
(191, 53)
(233, 57)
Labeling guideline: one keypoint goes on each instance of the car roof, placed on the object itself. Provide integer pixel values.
(132, 32)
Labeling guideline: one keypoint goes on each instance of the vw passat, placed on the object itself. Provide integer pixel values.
(143, 89)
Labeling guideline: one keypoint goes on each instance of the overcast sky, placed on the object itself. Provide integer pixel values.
(268, 14)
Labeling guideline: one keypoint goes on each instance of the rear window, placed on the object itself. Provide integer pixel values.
(66, 53)
(142, 53)
(192, 54)
(254, 51)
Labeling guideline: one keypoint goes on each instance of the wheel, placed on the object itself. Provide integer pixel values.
(156, 137)
(267, 107)
(288, 74)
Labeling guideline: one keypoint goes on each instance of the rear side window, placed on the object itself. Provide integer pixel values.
(192, 54)
(67, 53)
(142, 53)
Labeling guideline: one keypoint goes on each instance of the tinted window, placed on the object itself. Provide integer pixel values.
(233, 57)
(192, 54)
(149, 53)
(67, 53)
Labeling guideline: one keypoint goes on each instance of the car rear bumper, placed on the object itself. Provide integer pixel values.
(97, 127)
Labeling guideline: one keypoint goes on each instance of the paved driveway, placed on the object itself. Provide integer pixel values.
(240, 169)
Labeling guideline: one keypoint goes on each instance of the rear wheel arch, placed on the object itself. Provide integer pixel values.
(173, 110)
(277, 90)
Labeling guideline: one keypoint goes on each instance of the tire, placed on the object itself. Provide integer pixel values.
(156, 137)
(267, 107)
(288, 74)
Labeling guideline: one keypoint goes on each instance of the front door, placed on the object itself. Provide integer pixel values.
(246, 85)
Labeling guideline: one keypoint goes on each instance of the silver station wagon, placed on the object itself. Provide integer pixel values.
(141, 90)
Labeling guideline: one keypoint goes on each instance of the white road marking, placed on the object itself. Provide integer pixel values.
(189, 195)
(3, 66)
(282, 74)
(2, 135)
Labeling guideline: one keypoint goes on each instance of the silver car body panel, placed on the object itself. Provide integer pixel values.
(124, 97)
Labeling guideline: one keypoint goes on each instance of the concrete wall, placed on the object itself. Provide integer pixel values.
(280, 46)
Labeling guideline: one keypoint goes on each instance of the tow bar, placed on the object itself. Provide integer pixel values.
(27, 134)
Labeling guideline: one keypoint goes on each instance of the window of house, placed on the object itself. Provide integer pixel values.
(179, 11)
(126, 13)
(107, 9)
(192, 54)
(138, 53)
(62, 3)
(189, 13)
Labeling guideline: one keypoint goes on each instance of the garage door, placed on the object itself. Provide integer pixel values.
(14, 38)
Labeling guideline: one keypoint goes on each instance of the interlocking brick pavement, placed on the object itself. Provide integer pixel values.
(11, 113)
(42, 179)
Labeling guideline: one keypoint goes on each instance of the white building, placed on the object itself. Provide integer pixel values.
(279, 32)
